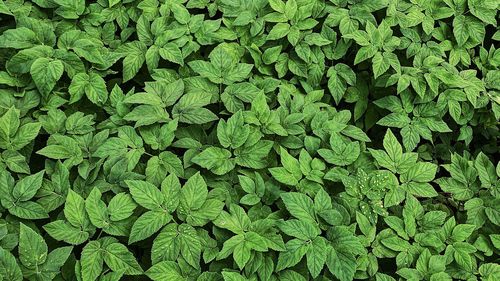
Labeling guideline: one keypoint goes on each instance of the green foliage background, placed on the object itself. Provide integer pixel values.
(253, 140)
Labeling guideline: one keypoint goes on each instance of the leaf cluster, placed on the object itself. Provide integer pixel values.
(246, 140)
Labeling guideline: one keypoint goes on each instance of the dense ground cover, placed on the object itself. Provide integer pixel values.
(249, 140)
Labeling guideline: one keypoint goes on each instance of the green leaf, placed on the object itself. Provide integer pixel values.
(92, 260)
(74, 210)
(148, 224)
(341, 264)
(29, 210)
(9, 123)
(462, 231)
(134, 59)
(316, 256)
(96, 209)
(421, 172)
(62, 231)
(278, 31)
(234, 132)
(172, 53)
(462, 254)
(194, 193)
(392, 147)
(19, 38)
(46, 73)
(299, 229)
(284, 176)
(190, 245)
(380, 64)
(485, 169)
(295, 250)
(92, 85)
(145, 194)
(32, 247)
(10, 268)
(118, 258)
(343, 153)
(300, 206)
(121, 206)
(27, 187)
(25, 135)
(271, 55)
(165, 271)
(217, 160)
(396, 244)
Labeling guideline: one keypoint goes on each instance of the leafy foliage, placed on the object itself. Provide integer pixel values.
(244, 140)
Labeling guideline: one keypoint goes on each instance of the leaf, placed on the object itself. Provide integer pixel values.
(9, 123)
(172, 53)
(92, 261)
(462, 255)
(299, 205)
(74, 209)
(341, 264)
(342, 153)
(29, 210)
(92, 85)
(194, 193)
(10, 268)
(62, 231)
(56, 152)
(148, 224)
(299, 229)
(284, 176)
(118, 257)
(316, 256)
(462, 231)
(460, 29)
(25, 135)
(380, 64)
(121, 206)
(290, 164)
(421, 172)
(215, 159)
(295, 250)
(190, 245)
(134, 59)
(164, 271)
(146, 194)
(280, 30)
(485, 169)
(234, 132)
(396, 244)
(96, 209)
(393, 147)
(32, 247)
(166, 245)
(46, 73)
(27, 187)
(19, 38)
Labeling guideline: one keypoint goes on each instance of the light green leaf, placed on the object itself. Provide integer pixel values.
(217, 160)
(46, 73)
(118, 258)
(148, 224)
(27, 187)
(92, 260)
(145, 194)
(165, 271)
(32, 248)
(300, 206)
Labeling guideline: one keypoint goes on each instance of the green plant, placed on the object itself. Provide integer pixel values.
(239, 140)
